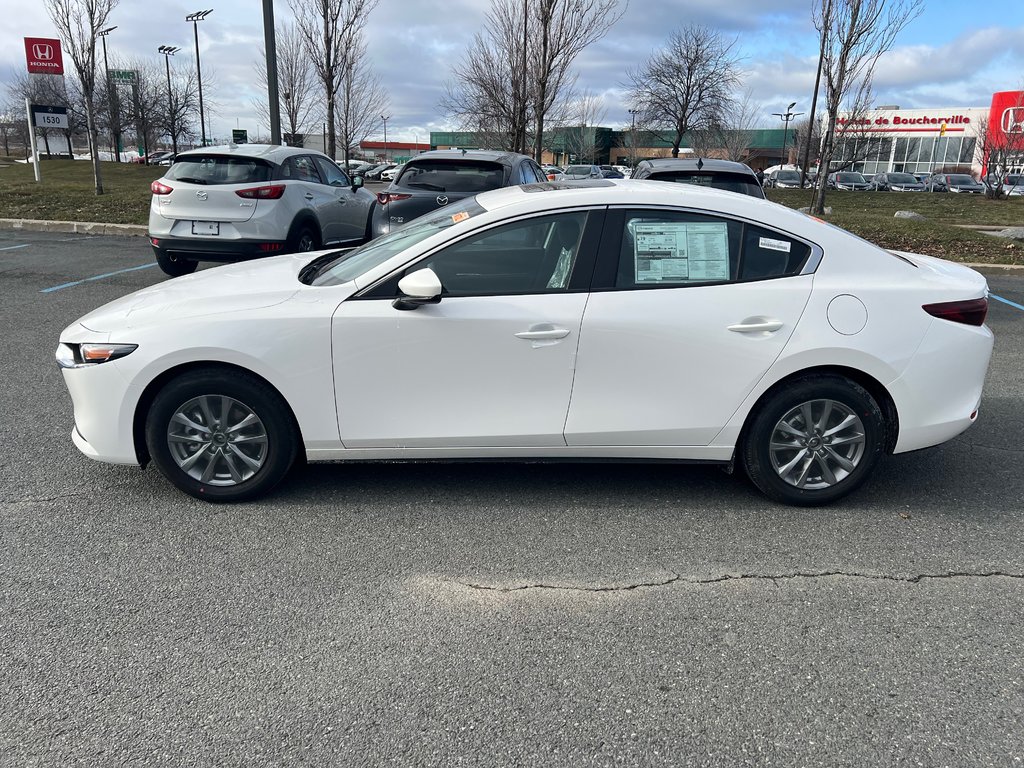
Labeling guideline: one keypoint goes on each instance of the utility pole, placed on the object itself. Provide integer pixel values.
(786, 117)
(632, 134)
(112, 111)
(195, 18)
(168, 51)
(385, 118)
(270, 44)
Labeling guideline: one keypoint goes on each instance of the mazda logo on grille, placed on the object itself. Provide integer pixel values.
(442, 200)
(201, 195)
(42, 52)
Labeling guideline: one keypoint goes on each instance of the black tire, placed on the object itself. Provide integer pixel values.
(223, 464)
(827, 462)
(304, 237)
(175, 266)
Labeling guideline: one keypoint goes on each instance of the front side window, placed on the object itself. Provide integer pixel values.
(670, 249)
(331, 173)
(531, 256)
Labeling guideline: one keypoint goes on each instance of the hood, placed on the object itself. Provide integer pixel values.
(231, 288)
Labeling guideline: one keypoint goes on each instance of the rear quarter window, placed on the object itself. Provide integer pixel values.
(467, 176)
(215, 169)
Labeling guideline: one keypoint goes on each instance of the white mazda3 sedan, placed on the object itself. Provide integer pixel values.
(243, 201)
(594, 320)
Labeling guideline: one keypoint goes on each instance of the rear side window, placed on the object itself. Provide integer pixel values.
(467, 176)
(732, 182)
(218, 169)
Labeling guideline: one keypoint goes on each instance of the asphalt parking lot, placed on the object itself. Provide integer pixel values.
(496, 614)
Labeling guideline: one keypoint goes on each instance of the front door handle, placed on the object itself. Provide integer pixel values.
(543, 334)
(752, 325)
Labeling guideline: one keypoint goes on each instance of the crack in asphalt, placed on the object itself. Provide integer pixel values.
(773, 578)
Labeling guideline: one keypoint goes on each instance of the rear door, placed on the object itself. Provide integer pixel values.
(351, 210)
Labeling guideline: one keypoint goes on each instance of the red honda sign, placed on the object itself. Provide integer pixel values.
(44, 56)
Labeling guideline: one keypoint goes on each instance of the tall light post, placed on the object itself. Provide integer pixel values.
(168, 51)
(632, 134)
(385, 118)
(195, 18)
(111, 112)
(273, 100)
(786, 117)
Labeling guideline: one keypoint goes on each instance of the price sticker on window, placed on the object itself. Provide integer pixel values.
(460, 216)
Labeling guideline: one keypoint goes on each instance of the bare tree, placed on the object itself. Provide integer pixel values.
(729, 136)
(77, 23)
(588, 112)
(361, 98)
(1002, 152)
(490, 92)
(563, 29)
(180, 107)
(295, 83)
(324, 26)
(687, 85)
(853, 35)
(146, 109)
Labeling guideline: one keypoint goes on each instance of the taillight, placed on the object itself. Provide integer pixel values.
(269, 192)
(970, 312)
(389, 197)
(157, 188)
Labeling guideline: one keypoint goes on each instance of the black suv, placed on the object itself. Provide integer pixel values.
(434, 179)
(720, 174)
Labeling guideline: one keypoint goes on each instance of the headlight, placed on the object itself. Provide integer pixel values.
(84, 355)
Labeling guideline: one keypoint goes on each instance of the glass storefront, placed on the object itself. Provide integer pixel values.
(871, 155)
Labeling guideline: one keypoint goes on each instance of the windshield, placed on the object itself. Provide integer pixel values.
(577, 170)
(961, 179)
(219, 169)
(850, 178)
(1013, 181)
(901, 178)
(351, 264)
(788, 176)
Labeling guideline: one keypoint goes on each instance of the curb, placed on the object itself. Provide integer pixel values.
(74, 227)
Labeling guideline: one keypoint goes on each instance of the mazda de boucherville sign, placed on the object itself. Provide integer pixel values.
(43, 56)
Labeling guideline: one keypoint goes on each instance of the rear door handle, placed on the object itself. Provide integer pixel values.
(309, 195)
(543, 333)
(756, 326)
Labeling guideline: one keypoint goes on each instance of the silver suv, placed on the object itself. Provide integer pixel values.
(244, 201)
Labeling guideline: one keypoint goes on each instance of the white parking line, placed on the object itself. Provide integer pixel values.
(12, 247)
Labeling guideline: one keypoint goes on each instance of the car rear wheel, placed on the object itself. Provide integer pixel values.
(221, 435)
(175, 266)
(303, 238)
(814, 440)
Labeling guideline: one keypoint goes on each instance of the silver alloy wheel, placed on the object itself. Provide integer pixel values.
(217, 440)
(817, 444)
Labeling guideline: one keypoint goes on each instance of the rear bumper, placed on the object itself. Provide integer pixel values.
(216, 250)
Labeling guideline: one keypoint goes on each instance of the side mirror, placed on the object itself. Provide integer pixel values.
(419, 288)
(357, 182)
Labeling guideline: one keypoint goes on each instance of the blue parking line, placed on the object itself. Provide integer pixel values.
(12, 247)
(97, 277)
(1007, 301)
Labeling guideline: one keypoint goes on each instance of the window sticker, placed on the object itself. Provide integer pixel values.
(775, 245)
(460, 216)
(675, 252)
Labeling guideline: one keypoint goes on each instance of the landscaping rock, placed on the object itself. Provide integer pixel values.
(909, 215)
(828, 210)
(1014, 233)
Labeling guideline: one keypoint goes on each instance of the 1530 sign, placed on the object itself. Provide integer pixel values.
(49, 117)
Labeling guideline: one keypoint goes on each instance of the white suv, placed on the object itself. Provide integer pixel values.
(243, 201)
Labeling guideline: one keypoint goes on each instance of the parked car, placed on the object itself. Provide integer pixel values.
(893, 181)
(783, 178)
(362, 168)
(608, 172)
(960, 183)
(625, 170)
(594, 321)
(922, 177)
(1013, 185)
(374, 173)
(553, 172)
(438, 178)
(161, 157)
(576, 172)
(847, 181)
(246, 200)
(720, 174)
(389, 174)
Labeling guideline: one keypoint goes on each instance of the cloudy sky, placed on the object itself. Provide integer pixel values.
(954, 54)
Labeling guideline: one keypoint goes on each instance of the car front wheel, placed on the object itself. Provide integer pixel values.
(814, 440)
(221, 435)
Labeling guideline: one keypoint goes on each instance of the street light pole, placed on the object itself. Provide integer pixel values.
(786, 117)
(632, 134)
(168, 51)
(195, 18)
(385, 118)
(111, 112)
(273, 100)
